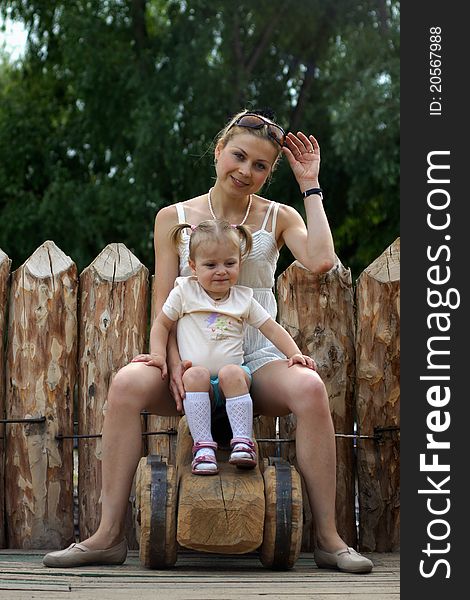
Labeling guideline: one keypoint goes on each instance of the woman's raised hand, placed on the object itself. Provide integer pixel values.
(303, 155)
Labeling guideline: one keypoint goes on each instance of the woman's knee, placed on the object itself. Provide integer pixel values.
(310, 396)
(196, 379)
(130, 388)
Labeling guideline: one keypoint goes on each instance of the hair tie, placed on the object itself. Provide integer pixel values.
(233, 225)
(193, 227)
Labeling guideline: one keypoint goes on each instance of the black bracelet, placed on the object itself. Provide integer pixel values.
(318, 191)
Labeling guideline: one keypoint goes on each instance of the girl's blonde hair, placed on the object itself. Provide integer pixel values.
(214, 230)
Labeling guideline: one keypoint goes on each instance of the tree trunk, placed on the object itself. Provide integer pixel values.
(41, 375)
(318, 311)
(5, 263)
(113, 323)
(378, 401)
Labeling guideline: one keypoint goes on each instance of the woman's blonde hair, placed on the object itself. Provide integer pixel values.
(214, 230)
(231, 130)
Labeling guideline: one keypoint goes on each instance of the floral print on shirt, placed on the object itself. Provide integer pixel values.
(218, 326)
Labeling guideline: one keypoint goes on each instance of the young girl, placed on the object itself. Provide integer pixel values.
(212, 312)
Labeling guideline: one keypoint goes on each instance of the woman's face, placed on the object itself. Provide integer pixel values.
(244, 163)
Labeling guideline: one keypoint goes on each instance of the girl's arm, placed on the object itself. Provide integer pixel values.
(159, 335)
(278, 336)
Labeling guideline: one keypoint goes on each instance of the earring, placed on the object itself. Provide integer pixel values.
(215, 162)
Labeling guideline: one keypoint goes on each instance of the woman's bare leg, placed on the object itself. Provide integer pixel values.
(134, 388)
(278, 390)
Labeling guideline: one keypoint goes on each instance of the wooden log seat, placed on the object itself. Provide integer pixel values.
(218, 513)
(234, 512)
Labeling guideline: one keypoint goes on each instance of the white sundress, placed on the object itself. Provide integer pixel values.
(257, 272)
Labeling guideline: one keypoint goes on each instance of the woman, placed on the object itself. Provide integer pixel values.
(246, 153)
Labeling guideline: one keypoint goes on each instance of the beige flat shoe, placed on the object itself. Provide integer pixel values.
(346, 559)
(78, 555)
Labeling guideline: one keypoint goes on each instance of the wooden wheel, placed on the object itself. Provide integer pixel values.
(156, 494)
(283, 517)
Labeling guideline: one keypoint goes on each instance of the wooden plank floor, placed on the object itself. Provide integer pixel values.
(196, 576)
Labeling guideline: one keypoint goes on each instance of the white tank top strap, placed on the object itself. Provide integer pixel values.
(180, 212)
(268, 212)
(274, 221)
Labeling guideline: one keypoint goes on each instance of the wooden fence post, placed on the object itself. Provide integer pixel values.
(5, 263)
(318, 311)
(378, 401)
(41, 375)
(113, 327)
(41, 371)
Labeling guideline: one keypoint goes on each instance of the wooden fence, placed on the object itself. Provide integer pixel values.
(64, 336)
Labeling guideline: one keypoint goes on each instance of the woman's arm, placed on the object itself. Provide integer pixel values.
(166, 271)
(166, 257)
(312, 245)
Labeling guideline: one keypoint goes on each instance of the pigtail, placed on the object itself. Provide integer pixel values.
(216, 230)
(175, 233)
(247, 236)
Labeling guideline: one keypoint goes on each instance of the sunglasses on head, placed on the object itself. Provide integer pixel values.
(254, 121)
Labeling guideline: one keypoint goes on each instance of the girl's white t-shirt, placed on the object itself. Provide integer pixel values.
(210, 333)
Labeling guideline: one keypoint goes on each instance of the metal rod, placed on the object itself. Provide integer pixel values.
(98, 435)
(356, 436)
(342, 435)
(26, 420)
(77, 437)
(259, 440)
(274, 440)
(390, 428)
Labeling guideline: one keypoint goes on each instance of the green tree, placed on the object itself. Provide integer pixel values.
(112, 113)
(361, 76)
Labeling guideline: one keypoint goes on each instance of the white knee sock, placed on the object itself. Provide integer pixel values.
(240, 414)
(197, 407)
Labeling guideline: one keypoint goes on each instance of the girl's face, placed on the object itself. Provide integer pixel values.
(244, 163)
(216, 266)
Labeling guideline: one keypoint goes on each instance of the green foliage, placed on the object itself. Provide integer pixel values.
(362, 94)
(112, 112)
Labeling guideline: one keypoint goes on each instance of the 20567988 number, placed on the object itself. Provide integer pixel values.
(435, 70)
